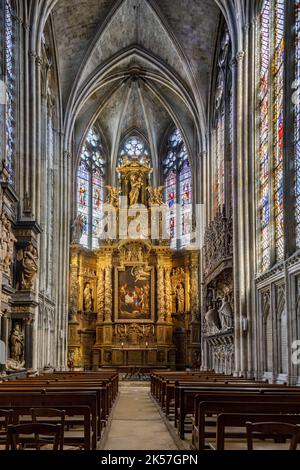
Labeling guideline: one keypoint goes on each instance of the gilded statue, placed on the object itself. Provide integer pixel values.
(180, 298)
(77, 229)
(17, 344)
(113, 196)
(29, 266)
(88, 298)
(136, 182)
(156, 196)
(226, 314)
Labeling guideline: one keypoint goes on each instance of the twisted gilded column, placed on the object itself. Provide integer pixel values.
(168, 294)
(108, 294)
(161, 292)
(100, 295)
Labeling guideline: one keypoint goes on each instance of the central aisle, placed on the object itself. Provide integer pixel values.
(136, 423)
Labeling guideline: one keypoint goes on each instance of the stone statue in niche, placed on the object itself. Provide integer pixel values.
(212, 320)
(8, 242)
(226, 314)
(180, 298)
(29, 267)
(88, 298)
(17, 344)
(77, 229)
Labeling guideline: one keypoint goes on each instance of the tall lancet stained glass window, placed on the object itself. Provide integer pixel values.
(222, 102)
(296, 100)
(278, 80)
(264, 132)
(90, 188)
(10, 88)
(178, 191)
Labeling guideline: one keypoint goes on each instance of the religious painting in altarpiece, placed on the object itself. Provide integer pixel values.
(134, 289)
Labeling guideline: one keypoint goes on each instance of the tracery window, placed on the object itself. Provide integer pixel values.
(134, 148)
(271, 128)
(278, 78)
(264, 157)
(222, 127)
(178, 191)
(91, 184)
(297, 120)
(10, 88)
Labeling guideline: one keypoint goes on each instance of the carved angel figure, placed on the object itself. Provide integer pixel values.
(29, 266)
(113, 196)
(77, 229)
(156, 196)
(139, 273)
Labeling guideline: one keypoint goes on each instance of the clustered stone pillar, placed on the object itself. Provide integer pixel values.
(194, 270)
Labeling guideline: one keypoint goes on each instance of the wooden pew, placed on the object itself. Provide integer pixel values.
(187, 394)
(225, 420)
(215, 404)
(75, 404)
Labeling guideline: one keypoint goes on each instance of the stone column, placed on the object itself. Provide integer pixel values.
(28, 350)
(194, 273)
(238, 190)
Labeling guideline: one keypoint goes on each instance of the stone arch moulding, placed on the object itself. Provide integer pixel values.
(104, 76)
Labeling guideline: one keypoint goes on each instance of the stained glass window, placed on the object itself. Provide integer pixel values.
(134, 148)
(10, 88)
(271, 95)
(278, 75)
(219, 173)
(264, 158)
(171, 198)
(296, 101)
(90, 190)
(178, 191)
(222, 107)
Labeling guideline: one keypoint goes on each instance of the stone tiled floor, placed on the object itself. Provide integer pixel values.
(136, 424)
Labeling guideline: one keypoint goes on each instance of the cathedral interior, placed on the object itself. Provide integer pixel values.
(149, 186)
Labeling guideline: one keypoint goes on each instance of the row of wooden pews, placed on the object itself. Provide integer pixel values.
(214, 408)
(86, 398)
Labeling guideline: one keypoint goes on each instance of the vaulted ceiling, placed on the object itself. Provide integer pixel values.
(135, 64)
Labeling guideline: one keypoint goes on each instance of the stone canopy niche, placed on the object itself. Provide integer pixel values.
(218, 319)
(132, 300)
